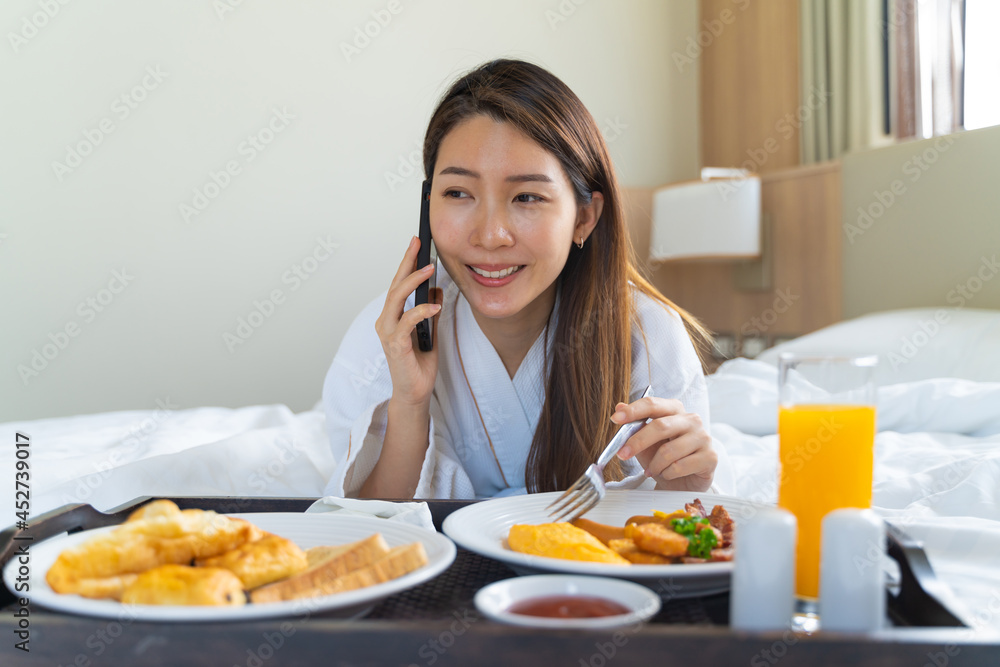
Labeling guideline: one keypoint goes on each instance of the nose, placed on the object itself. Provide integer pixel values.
(492, 229)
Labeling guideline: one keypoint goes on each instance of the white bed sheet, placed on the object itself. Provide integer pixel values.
(937, 465)
(109, 458)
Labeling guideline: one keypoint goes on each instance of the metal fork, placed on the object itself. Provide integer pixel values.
(589, 489)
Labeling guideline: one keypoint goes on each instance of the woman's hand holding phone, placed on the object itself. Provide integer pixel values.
(413, 372)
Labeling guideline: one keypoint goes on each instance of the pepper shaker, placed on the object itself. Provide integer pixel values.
(852, 580)
(763, 588)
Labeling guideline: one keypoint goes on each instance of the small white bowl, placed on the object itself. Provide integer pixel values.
(493, 601)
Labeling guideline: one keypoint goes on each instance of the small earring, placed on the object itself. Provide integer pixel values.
(579, 244)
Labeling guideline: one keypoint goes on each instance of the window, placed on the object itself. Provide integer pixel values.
(943, 65)
(982, 64)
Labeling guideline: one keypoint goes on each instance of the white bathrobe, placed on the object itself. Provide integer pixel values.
(459, 462)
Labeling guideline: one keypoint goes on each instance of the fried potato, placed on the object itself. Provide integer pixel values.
(561, 540)
(657, 538)
(628, 550)
(257, 563)
(184, 585)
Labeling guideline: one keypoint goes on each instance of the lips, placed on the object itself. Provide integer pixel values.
(502, 273)
(494, 275)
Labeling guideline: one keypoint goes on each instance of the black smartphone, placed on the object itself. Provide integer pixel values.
(426, 255)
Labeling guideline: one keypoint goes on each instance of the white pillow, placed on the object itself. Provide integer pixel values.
(913, 344)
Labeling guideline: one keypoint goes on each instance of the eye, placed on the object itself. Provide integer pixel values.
(455, 194)
(527, 199)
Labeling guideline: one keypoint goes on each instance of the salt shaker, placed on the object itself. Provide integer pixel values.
(763, 588)
(852, 582)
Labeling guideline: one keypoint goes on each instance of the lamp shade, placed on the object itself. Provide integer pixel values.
(713, 219)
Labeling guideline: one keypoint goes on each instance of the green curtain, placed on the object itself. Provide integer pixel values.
(842, 77)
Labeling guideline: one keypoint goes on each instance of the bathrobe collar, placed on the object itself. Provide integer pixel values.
(510, 407)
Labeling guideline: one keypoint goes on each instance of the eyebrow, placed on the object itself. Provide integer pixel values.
(518, 178)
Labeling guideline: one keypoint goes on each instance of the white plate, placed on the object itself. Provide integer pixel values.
(494, 600)
(483, 527)
(306, 530)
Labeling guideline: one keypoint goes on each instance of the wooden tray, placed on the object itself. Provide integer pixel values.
(436, 623)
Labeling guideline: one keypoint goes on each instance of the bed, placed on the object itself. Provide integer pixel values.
(937, 471)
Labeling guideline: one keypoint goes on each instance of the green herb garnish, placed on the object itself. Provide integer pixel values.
(700, 542)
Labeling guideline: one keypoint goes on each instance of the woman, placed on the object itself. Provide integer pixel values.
(543, 322)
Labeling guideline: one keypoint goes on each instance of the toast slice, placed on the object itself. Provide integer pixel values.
(324, 564)
(316, 555)
(395, 563)
(399, 561)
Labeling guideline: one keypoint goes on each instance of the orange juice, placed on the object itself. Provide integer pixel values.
(826, 454)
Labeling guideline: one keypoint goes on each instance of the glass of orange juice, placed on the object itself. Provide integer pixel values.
(826, 443)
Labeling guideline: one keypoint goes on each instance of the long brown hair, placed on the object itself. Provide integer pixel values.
(592, 365)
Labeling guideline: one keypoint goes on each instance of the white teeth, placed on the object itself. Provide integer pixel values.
(497, 274)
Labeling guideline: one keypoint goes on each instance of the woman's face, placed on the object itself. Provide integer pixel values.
(504, 217)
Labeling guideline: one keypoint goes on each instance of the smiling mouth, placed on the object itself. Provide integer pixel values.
(502, 273)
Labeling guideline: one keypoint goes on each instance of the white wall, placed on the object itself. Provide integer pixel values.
(922, 224)
(64, 234)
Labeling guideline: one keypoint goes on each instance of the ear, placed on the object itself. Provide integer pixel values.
(587, 217)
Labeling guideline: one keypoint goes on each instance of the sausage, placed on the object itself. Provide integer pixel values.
(601, 531)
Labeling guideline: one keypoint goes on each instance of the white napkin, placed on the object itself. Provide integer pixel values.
(417, 514)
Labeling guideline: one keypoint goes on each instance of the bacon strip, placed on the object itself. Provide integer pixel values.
(720, 555)
(721, 521)
(696, 509)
